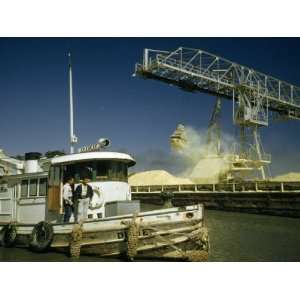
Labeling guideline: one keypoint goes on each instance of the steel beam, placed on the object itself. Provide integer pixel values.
(198, 70)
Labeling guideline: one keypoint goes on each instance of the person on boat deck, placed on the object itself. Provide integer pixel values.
(68, 199)
(83, 195)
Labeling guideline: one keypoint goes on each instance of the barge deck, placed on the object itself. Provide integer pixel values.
(262, 197)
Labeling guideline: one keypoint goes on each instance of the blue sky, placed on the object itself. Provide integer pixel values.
(137, 115)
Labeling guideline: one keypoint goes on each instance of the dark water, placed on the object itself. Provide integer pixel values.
(249, 237)
(233, 236)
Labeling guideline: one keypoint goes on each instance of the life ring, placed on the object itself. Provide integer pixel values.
(8, 235)
(98, 194)
(41, 236)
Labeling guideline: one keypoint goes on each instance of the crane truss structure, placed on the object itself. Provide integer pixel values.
(255, 95)
(214, 129)
(197, 70)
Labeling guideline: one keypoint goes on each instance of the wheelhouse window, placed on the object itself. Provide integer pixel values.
(24, 188)
(43, 187)
(111, 171)
(33, 187)
(104, 170)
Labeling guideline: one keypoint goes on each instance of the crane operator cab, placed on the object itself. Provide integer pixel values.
(107, 173)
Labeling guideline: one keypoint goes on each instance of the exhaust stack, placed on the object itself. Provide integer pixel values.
(31, 164)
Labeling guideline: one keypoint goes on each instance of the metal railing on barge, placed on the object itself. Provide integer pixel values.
(244, 187)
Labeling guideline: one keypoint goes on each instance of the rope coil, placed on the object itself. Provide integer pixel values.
(132, 238)
(75, 243)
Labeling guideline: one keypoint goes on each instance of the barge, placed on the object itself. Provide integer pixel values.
(259, 197)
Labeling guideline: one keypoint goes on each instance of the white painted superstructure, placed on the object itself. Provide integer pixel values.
(35, 195)
(71, 158)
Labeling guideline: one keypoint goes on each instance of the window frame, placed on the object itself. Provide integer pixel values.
(113, 169)
(36, 188)
(27, 188)
(39, 187)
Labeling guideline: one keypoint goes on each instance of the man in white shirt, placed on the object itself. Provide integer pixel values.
(68, 199)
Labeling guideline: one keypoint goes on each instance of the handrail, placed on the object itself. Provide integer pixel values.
(243, 187)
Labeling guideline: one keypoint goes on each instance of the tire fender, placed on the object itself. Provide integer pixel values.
(8, 235)
(41, 236)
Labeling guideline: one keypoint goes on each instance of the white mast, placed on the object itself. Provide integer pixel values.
(73, 138)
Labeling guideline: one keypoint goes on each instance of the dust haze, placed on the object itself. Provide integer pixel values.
(196, 161)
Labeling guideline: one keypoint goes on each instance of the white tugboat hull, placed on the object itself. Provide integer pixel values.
(163, 234)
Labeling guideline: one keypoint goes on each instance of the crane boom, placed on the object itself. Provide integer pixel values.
(198, 70)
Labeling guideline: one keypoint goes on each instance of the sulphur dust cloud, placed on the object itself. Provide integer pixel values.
(198, 160)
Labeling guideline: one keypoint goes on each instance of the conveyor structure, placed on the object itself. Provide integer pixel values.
(256, 97)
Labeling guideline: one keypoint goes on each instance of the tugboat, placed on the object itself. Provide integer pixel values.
(31, 212)
(31, 208)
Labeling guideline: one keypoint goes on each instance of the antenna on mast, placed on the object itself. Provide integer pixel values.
(73, 138)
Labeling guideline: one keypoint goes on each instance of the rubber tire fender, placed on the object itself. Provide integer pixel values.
(41, 236)
(8, 235)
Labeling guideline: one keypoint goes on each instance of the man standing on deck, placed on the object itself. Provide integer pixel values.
(83, 194)
(68, 192)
